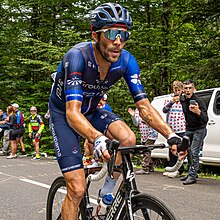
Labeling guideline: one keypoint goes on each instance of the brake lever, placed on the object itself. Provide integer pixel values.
(185, 145)
(112, 149)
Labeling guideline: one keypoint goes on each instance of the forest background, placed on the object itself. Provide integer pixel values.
(171, 39)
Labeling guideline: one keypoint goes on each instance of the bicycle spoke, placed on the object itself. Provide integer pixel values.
(58, 201)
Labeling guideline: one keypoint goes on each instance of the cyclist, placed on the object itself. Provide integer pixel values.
(35, 128)
(88, 71)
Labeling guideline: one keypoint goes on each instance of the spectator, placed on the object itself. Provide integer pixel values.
(4, 133)
(195, 111)
(11, 121)
(20, 127)
(35, 128)
(176, 119)
(103, 104)
(47, 115)
(148, 137)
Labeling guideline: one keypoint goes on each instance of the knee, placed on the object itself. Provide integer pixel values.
(75, 192)
(128, 140)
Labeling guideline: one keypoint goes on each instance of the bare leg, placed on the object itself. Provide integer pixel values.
(121, 132)
(13, 147)
(76, 186)
(22, 144)
(37, 148)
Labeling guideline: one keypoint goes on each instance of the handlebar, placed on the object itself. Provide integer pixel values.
(113, 148)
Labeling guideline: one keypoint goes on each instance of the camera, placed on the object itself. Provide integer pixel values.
(192, 102)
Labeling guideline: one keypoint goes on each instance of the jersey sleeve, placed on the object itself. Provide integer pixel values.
(41, 123)
(74, 65)
(132, 77)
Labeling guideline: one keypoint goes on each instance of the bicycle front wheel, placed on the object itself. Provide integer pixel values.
(55, 200)
(145, 206)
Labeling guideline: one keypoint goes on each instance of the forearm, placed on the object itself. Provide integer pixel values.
(41, 129)
(30, 128)
(151, 117)
(80, 124)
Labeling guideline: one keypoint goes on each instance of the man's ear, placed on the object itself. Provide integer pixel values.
(95, 36)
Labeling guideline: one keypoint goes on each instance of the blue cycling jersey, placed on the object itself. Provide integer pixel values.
(78, 78)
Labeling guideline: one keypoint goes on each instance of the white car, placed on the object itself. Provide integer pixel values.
(210, 154)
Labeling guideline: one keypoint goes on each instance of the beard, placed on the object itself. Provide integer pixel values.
(109, 53)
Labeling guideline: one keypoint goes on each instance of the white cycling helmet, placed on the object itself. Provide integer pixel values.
(15, 105)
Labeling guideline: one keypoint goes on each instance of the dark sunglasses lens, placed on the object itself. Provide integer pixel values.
(112, 34)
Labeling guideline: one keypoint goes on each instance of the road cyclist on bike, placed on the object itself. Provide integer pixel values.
(88, 71)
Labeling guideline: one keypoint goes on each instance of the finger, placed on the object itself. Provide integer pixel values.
(182, 155)
(174, 150)
(105, 155)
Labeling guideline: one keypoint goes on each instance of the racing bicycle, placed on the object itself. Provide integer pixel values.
(129, 203)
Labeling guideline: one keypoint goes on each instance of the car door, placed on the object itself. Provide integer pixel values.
(211, 148)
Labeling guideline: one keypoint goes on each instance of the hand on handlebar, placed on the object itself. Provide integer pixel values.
(178, 145)
(100, 147)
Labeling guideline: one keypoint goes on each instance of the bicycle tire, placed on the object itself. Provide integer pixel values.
(55, 199)
(148, 207)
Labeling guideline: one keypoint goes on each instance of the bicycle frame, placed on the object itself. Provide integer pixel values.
(128, 199)
(127, 188)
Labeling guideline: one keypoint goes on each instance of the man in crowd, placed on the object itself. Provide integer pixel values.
(195, 112)
(35, 128)
(103, 104)
(20, 128)
(176, 119)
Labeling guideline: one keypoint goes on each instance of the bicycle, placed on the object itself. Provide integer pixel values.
(128, 204)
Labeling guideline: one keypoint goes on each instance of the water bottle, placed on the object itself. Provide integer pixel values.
(105, 202)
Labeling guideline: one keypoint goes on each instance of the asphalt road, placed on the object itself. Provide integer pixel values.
(24, 186)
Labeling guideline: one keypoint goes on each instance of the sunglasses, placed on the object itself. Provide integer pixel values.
(112, 34)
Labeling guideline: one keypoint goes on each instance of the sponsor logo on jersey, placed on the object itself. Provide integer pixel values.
(74, 81)
(136, 79)
(59, 89)
(103, 116)
(74, 151)
(95, 86)
(56, 143)
(91, 65)
(89, 94)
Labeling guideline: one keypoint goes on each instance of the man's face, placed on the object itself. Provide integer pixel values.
(177, 90)
(188, 90)
(33, 112)
(111, 49)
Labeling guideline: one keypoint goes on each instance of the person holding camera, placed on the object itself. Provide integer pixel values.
(195, 112)
(176, 119)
